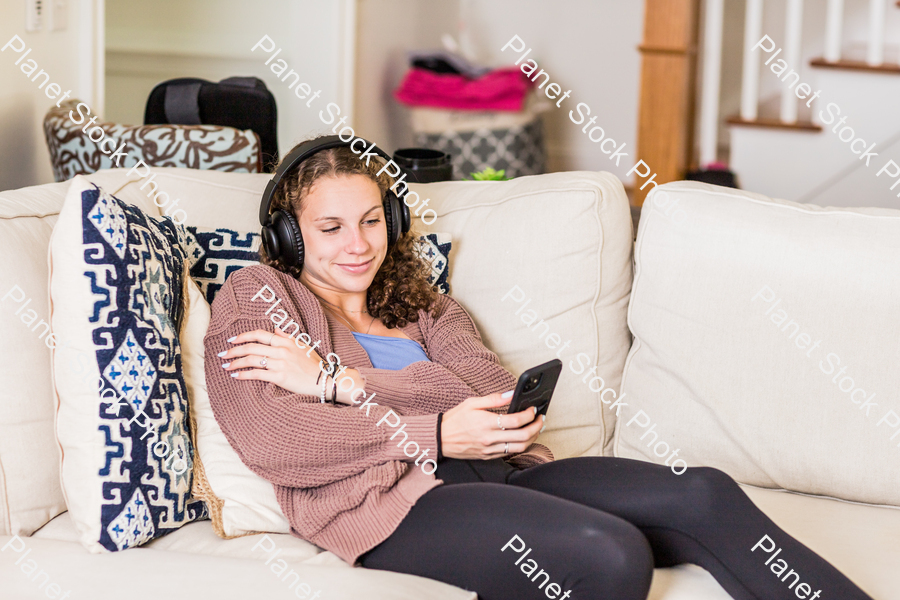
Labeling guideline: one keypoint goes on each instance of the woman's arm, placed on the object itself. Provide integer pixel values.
(461, 367)
(292, 439)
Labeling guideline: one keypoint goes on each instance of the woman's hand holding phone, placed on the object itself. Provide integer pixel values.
(470, 432)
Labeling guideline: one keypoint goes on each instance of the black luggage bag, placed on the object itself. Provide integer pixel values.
(240, 102)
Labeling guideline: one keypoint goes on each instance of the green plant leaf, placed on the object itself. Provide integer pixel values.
(490, 174)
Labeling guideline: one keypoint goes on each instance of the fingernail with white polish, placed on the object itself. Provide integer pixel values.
(507, 394)
(543, 418)
(234, 374)
(225, 365)
(542, 429)
(535, 409)
(222, 353)
(231, 339)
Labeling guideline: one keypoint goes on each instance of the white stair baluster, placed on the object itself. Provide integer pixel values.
(712, 67)
(875, 55)
(793, 29)
(750, 78)
(833, 30)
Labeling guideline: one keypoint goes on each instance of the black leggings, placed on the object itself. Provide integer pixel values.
(596, 527)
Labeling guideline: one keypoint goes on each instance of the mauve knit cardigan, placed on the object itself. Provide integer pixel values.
(340, 481)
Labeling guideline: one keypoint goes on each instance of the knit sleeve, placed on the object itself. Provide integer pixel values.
(461, 367)
(535, 454)
(292, 439)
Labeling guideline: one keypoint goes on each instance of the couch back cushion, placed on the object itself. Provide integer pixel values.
(543, 266)
(30, 493)
(767, 339)
(210, 199)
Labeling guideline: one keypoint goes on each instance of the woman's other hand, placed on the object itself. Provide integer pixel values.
(286, 365)
(470, 431)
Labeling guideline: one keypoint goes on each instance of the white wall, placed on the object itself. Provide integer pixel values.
(386, 30)
(816, 167)
(588, 46)
(69, 59)
(855, 34)
(212, 39)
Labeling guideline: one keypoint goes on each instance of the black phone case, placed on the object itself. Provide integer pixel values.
(540, 395)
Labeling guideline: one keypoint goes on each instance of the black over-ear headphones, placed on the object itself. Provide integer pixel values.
(280, 231)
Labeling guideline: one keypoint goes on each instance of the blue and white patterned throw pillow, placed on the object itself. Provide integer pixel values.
(434, 249)
(214, 254)
(118, 309)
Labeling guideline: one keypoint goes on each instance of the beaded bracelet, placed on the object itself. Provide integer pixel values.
(322, 393)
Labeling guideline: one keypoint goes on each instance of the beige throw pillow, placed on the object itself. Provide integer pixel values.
(240, 501)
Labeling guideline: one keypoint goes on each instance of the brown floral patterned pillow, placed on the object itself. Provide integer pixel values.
(76, 152)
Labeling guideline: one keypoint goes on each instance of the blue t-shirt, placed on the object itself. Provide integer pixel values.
(389, 352)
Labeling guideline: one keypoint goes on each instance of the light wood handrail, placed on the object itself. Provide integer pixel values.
(668, 82)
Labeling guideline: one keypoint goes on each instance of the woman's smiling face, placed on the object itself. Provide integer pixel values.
(344, 233)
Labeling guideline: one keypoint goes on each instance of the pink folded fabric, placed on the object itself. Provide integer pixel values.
(501, 89)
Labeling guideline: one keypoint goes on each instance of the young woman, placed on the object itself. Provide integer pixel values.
(499, 516)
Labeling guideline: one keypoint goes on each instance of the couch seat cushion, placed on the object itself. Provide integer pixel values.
(198, 564)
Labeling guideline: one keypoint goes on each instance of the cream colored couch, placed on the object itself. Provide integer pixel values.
(557, 244)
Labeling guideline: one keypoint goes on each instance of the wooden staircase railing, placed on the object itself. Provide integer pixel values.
(668, 83)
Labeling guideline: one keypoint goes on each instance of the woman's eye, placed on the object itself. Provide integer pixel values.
(332, 230)
(373, 221)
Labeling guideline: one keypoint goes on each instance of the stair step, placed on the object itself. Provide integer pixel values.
(773, 123)
(855, 65)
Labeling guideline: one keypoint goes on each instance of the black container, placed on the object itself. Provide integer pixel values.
(722, 177)
(423, 165)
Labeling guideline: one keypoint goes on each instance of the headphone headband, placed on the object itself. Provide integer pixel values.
(298, 155)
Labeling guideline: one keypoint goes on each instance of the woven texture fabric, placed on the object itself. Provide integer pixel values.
(341, 482)
(73, 152)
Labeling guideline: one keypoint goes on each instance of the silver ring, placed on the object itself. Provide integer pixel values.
(506, 449)
(271, 338)
(264, 362)
(499, 425)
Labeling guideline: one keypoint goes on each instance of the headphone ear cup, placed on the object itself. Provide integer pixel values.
(405, 217)
(289, 240)
(391, 220)
(398, 218)
(270, 240)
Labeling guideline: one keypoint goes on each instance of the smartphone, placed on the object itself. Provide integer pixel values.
(535, 387)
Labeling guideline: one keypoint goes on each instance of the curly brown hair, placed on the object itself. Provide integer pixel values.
(400, 287)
